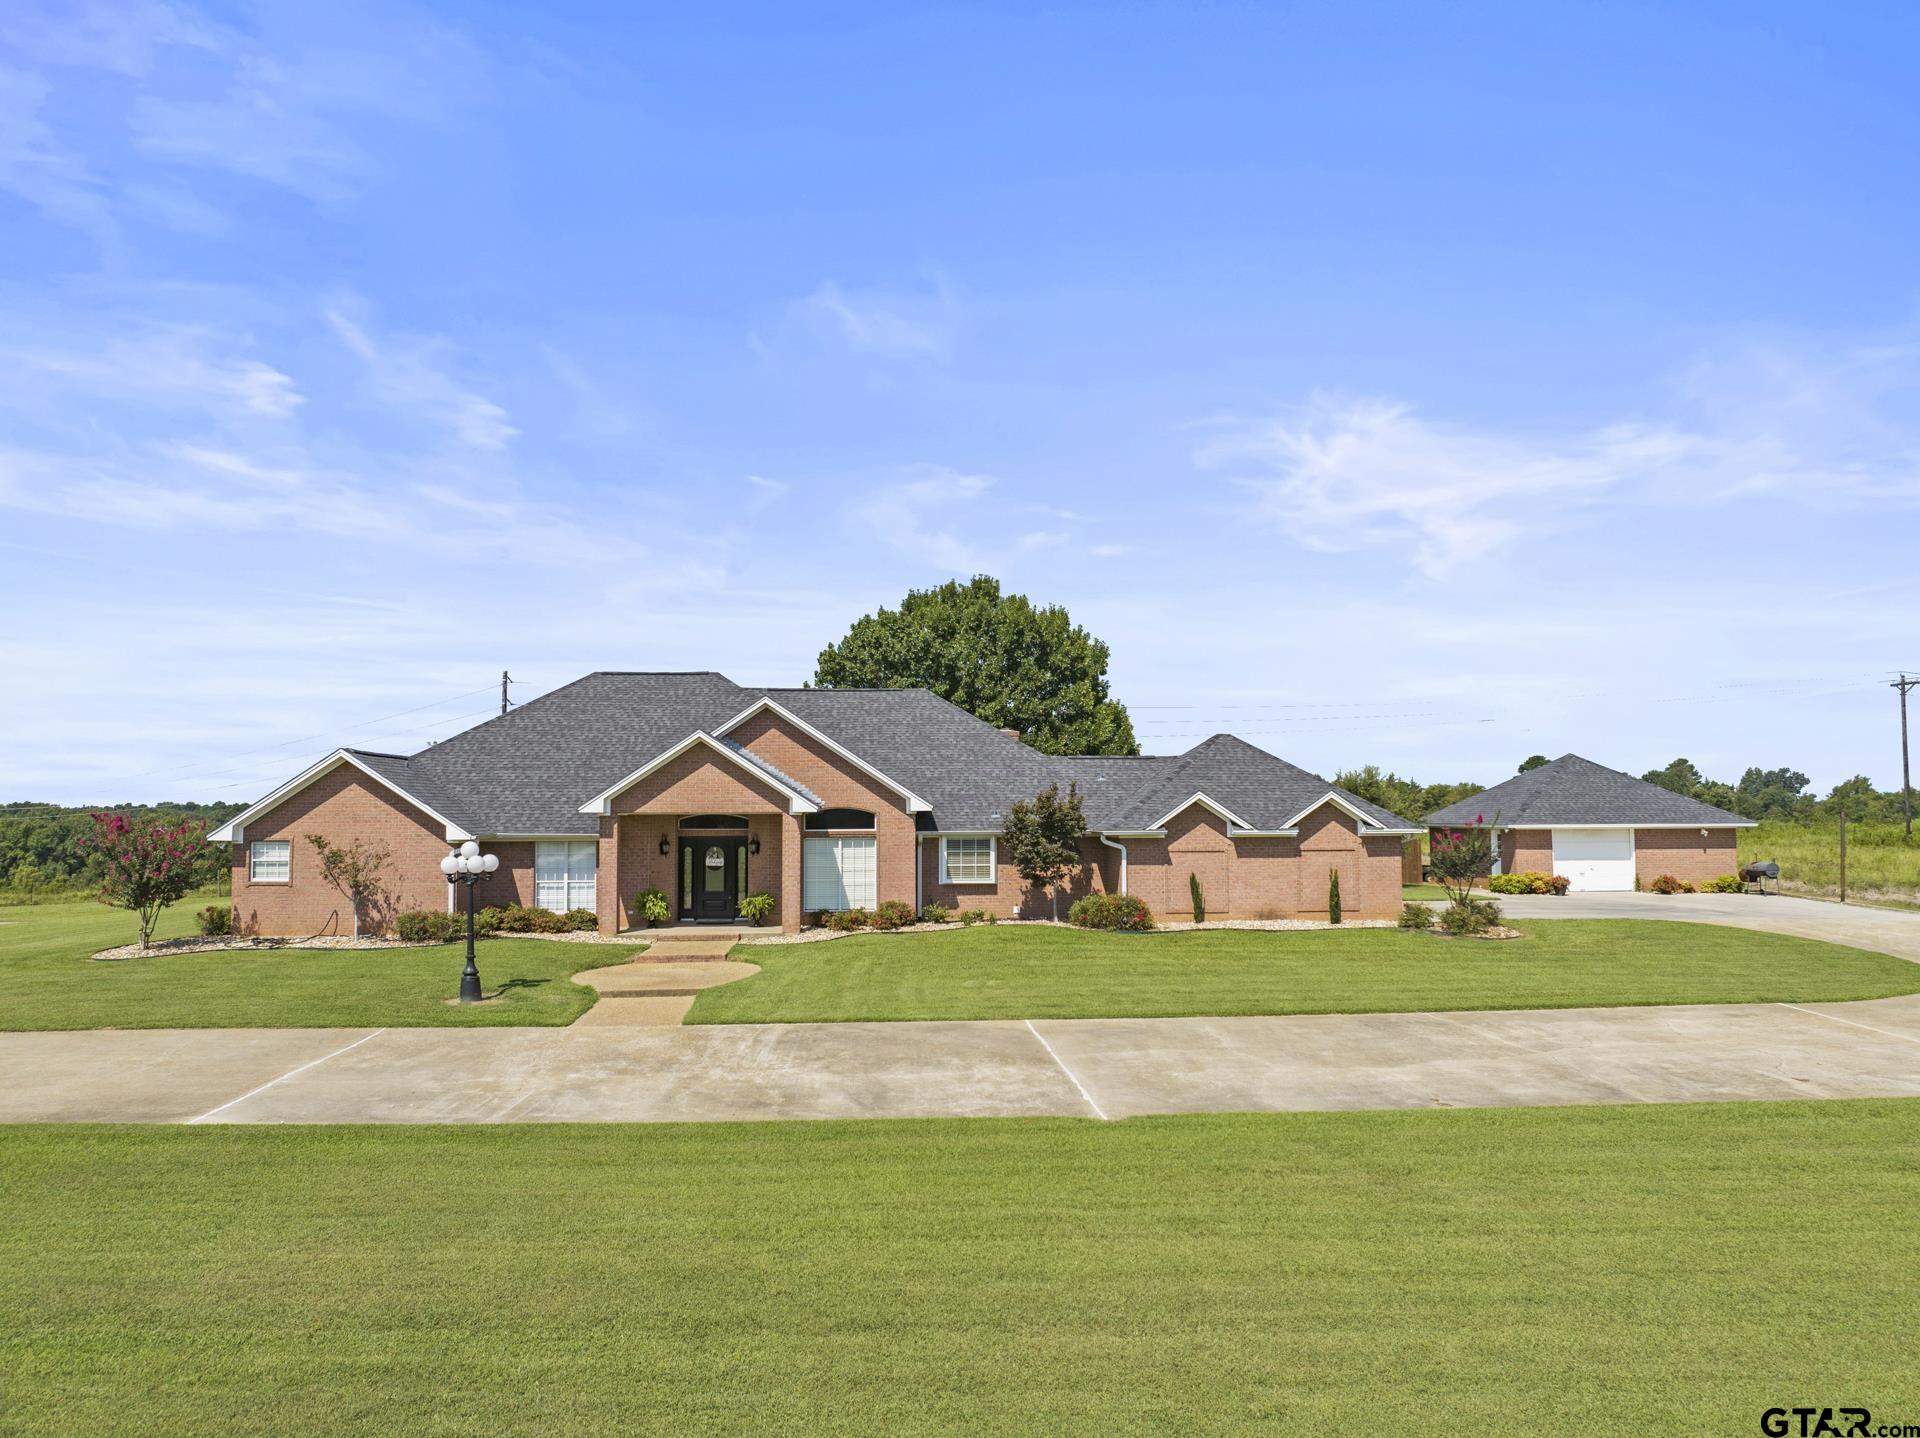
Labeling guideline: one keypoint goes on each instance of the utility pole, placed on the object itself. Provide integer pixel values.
(506, 679)
(1903, 684)
(1843, 856)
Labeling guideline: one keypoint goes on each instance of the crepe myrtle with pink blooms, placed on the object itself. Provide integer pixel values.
(149, 866)
(1459, 858)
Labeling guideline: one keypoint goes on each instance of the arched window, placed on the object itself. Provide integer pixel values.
(713, 821)
(840, 819)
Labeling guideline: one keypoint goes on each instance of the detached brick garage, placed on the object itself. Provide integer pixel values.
(1603, 829)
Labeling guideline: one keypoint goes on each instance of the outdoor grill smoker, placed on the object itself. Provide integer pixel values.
(1753, 878)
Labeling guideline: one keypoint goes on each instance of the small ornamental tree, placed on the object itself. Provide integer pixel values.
(1333, 896)
(1460, 858)
(359, 871)
(1199, 898)
(1042, 838)
(28, 878)
(148, 866)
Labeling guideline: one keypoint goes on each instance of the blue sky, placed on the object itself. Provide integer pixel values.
(1424, 385)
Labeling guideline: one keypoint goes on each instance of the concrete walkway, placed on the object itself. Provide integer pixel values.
(654, 993)
(1096, 1068)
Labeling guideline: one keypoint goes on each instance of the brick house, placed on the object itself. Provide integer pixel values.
(1603, 829)
(823, 798)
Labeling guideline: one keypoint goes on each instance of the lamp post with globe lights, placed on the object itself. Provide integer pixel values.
(470, 866)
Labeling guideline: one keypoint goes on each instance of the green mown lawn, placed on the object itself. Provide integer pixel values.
(1009, 971)
(1570, 1271)
(48, 980)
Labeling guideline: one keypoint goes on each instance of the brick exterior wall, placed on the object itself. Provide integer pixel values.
(1266, 878)
(696, 782)
(341, 806)
(1009, 896)
(1684, 854)
(840, 785)
(1526, 851)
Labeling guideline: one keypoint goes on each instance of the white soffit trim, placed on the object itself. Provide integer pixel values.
(1201, 799)
(1367, 822)
(915, 804)
(1568, 824)
(234, 830)
(1134, 833)
(602, 803)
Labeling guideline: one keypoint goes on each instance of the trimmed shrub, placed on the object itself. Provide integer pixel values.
(1333, 896)
(487, 921)
(892, 914)
(1199, 899)
(1125, 912)
(579, 921)
(1528, 881)
(432, 926)
(1723, 884)
(651, 905)
(756, 909)
(1475, 916)
(1667, 884)
(935, 914)
(970, 917)
(215, 920)
(846, 920)
(1416, 916)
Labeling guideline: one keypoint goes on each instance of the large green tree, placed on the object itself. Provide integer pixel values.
(998, 656)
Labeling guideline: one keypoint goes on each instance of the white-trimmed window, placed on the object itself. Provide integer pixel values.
(967, 861)
(838, 874)
(270, 861)
(563, 874)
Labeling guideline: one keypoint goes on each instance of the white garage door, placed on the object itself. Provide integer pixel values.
(1594, 858)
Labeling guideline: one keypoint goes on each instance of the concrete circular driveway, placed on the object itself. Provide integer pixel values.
(1888, 931)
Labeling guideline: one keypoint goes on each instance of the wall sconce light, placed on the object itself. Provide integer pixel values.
(665, 847)
(753, 844)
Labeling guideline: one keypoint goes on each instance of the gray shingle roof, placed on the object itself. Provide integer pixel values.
(1258, 787)
(1575, 791)
(529, 771)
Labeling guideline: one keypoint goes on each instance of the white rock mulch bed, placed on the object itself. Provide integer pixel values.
(330, 941)
(821, 935)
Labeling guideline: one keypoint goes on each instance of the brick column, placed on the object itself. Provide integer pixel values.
(606, 882)
(790, 851)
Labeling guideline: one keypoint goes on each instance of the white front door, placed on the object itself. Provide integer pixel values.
(1594, 859)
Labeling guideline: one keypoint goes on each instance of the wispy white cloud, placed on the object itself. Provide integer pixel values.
(1352, 473)
(408, 372)
(916, 513)
(170, 364)
(886, 322)
(302, 103)
(763, 492)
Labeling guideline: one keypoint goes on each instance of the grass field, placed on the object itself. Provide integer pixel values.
(1881, 862)
(1034, 972)
(1423, 893)
(1570, 1271)
(48, 980)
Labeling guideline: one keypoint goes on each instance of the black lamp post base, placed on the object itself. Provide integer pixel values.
(470, 987)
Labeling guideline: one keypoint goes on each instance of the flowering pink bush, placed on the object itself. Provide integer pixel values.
(1460, 858)
(149, 866)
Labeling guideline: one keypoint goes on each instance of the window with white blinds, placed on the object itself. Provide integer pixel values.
(271, 861)
(838, 874)
(966, 861)
(563, 874)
